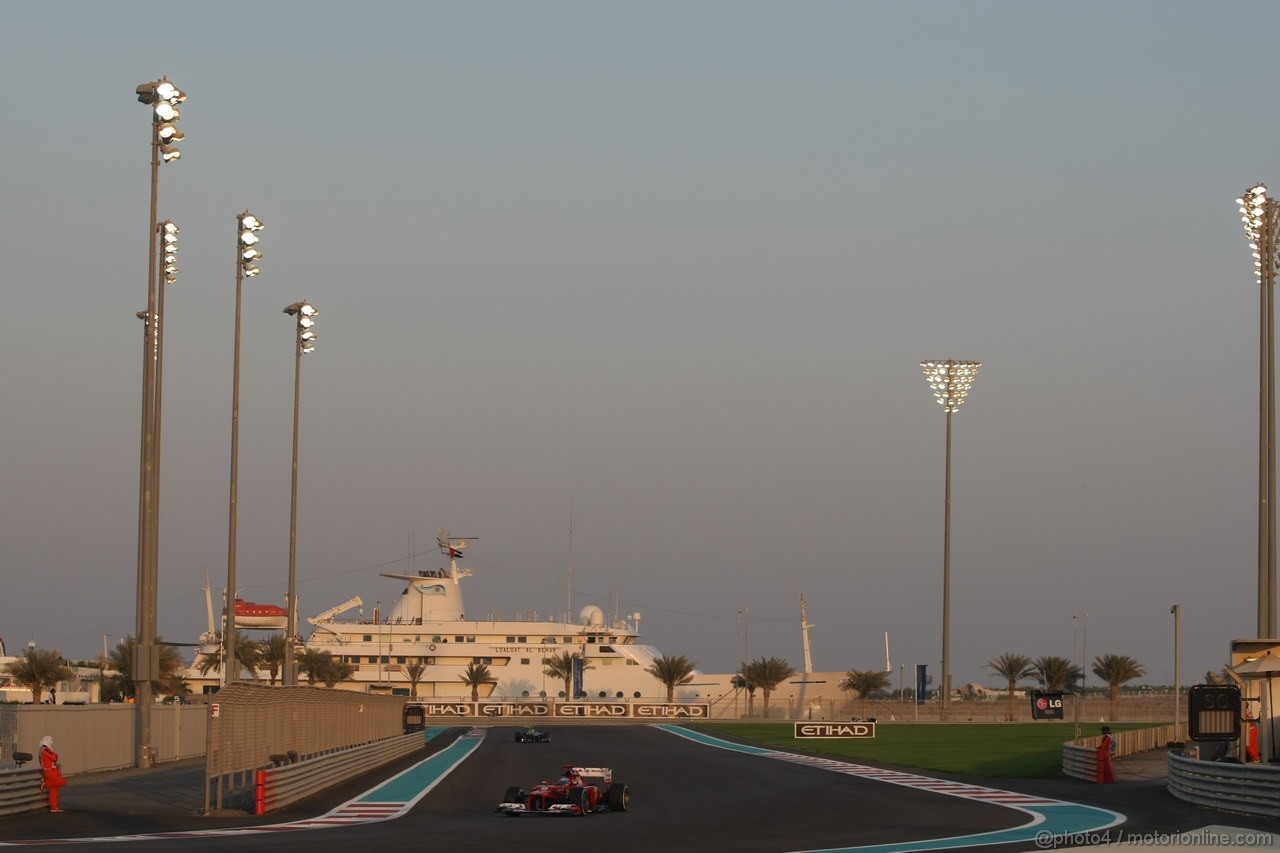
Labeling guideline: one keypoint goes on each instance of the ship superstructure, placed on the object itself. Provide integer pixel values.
(427, 626)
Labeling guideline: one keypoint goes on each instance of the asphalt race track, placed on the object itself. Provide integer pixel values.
(686, 796)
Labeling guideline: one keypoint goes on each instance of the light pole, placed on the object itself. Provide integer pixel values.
(305, 312)
(167, 234)
(163, 98)
(1261, 216)
(247, 228)
(950, 381)
(1176, 610)
(1084, 650)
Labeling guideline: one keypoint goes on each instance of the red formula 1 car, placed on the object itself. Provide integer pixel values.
(580, 791)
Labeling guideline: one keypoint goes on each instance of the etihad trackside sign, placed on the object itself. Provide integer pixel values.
(810, 731)
(594, 710)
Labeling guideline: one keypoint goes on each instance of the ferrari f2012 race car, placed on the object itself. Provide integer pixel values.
(579, 791)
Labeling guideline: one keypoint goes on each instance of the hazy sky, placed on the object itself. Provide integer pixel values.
(672, 265)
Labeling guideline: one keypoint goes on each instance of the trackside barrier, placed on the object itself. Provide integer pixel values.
(20, 791)
(575, 711)
(1080, 760)
(249, 723)
(277, 787)
(1246, 788)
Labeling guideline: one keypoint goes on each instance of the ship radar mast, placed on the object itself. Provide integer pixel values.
(452, 547)
(805, 625)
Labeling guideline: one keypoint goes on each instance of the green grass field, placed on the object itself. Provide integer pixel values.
(987, 750)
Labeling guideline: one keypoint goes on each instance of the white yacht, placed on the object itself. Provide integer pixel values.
(427, 625)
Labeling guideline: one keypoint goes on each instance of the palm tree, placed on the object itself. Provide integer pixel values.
(1116, 670)
(767, 674)
(1055, 673)
(333, 670)
(311, 663)
(1012, 668)
(322, 666)
(672, 671)
(38, 670)
(249, 656)
(561, 666)
(476, 675)
(173, 684)
(121, 683)
(864, 682)
(414, 671)
(271, 654)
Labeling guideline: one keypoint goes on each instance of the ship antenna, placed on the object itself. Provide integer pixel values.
(452, 547)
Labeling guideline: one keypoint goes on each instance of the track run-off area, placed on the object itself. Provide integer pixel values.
(690, 791)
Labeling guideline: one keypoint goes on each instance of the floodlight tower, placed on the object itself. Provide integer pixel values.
(950, 381)
(305, 342)
(163, 98)
(247, 228)
(1260, 216)
(167, 237)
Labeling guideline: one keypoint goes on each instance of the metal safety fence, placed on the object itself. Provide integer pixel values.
(1245, 788)
(20, 791)
(1080, 757)
(279, 786)
(250, 723)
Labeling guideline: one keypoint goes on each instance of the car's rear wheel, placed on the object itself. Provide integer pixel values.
(619, 797)
(580, 798)
(515, 794)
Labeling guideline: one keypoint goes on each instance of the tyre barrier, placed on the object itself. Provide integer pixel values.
(282, 785)
(20, 791)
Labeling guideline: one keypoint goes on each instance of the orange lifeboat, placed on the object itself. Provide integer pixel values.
(251, 615)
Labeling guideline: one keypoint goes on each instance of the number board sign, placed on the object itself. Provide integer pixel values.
(1214, 712)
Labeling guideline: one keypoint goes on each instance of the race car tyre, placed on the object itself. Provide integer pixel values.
(514, 794)
(519, 737)
(619, 797)
(580, 798)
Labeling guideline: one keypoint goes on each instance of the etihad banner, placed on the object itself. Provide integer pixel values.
(592, 710)
(834, 730)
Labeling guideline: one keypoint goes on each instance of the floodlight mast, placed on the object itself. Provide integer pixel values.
(163, 97)
(167, 246)
(247, 228)
(950, 381)
(305, 342)
(1261, 217)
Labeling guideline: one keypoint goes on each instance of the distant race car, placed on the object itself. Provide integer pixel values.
(579, 791)
(532, 735)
